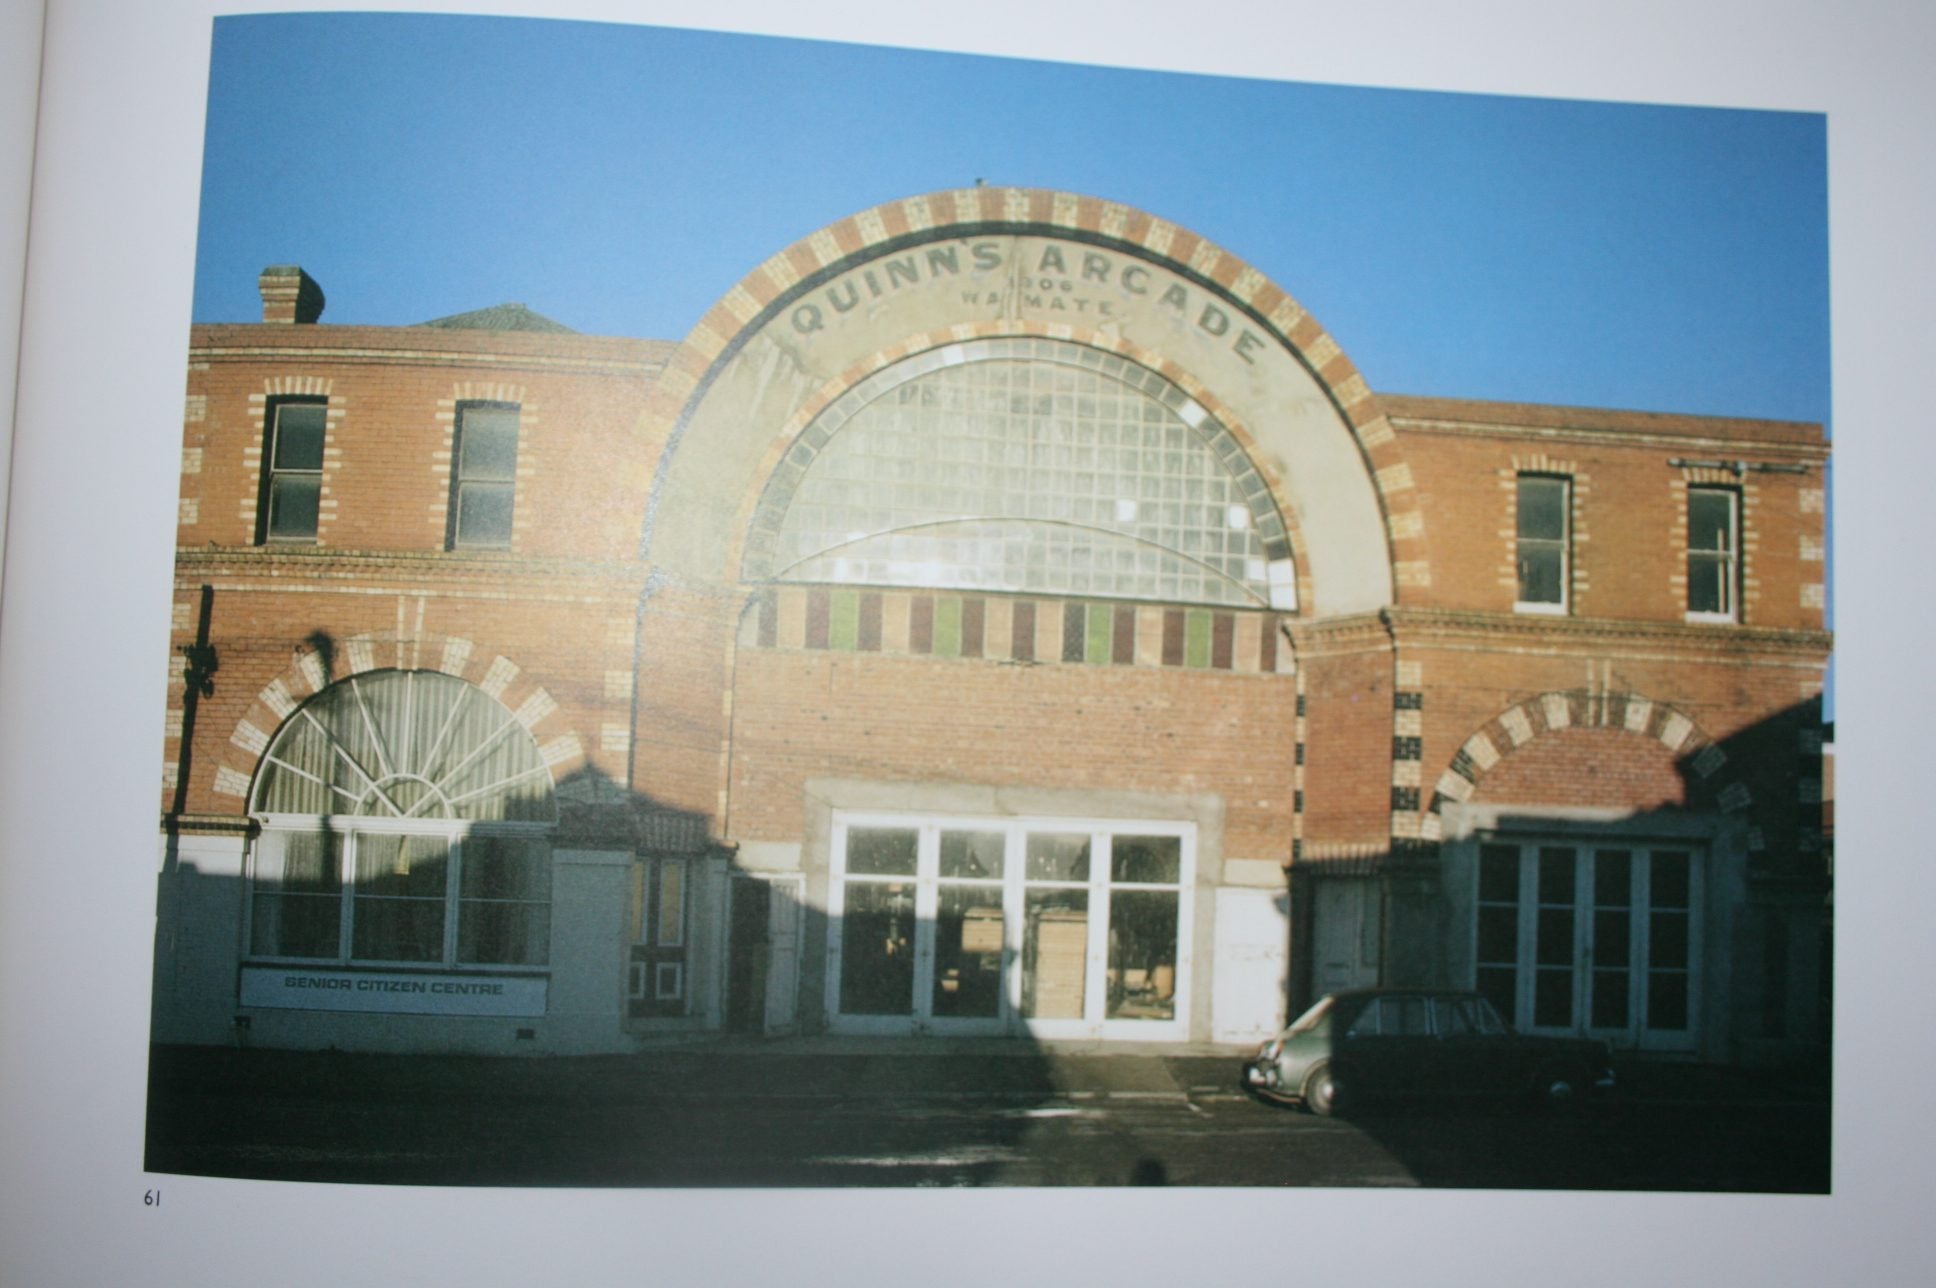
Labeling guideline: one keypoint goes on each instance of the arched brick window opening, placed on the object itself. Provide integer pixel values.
(405, 820)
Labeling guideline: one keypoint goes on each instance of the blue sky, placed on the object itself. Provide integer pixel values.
(621, 179)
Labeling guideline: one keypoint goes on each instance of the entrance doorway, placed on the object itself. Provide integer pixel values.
(1599, 937)
(1344, 933)
(973, 926)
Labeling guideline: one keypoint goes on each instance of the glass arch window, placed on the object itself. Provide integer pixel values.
(1024, 465)
(405, 744)
(405, 820)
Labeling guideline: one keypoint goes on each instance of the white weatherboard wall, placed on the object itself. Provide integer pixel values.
(198, 911)
(1252, 963)
(590, 898)
(199, 954)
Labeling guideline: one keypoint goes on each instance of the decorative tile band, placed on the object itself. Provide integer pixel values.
(1089, 632)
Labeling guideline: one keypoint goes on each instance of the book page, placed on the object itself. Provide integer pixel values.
(85, 658)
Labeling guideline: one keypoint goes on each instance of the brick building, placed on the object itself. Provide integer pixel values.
(1004, 613)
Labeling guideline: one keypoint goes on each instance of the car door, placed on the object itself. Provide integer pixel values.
(1385, 1051)
(1470, 1048)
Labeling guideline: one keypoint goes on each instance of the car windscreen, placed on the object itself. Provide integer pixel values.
(1310, 1020)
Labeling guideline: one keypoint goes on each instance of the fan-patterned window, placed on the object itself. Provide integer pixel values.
(1024, 465)
(405, 819)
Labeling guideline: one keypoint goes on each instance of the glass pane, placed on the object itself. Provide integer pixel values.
(1453, 1017)
(299, 436)
(401, 865)
(1367, 1022)
(1612, 932)
(1542, 508)
(1708, 578)
(300, 862)
(1405, 1017)
(968, 936)
(882, 851)
(1142, 954)
(489, 443)
(1669, 884)
(1055, 950)
(972, 854)
(1710, 519)
(1556, 936)
(877, 949)
(294, 501)
(503, 934)
(484, 514)
(398, 930)
(1146, 859)
(1499, 873)
(1612, 878)
(1555, 874)
(672, 903)
(1667, 940)
(1610, 998)
(1058, 856)
(1499, 933)
(1667, 1000)
(1499, 985)
(1542, 571)
(506, 867)
(296, 925)
(1553, 998)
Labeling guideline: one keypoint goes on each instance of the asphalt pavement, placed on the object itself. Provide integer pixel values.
(827, 1111)
(857, 1068)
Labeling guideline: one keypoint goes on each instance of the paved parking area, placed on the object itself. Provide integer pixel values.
(826, 1114)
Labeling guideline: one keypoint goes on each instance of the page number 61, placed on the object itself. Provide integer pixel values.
(151, 1198)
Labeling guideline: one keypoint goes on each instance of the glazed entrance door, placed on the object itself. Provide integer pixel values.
(919, 942)
(1601, 938)
(966, 926)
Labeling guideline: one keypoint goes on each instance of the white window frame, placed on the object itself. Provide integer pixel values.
(1564, 605)
(350, 828)
(1095, 1022)
(1730, 559)
(270, 474)
(460, 482)
(1639, 966)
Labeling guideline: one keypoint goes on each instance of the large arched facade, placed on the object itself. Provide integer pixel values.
(986, 486)
(1005, 613)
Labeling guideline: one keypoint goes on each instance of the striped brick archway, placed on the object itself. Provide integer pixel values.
(1522, 724)
(309, 673)
(779, 283)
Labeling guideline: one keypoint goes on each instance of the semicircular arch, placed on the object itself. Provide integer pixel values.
(321, 664)
(1703, 763)
(953, 263)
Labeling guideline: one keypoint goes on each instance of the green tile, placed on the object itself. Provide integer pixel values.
(1101, 635)
(843, 625)
(1196, 638)
(947, 627)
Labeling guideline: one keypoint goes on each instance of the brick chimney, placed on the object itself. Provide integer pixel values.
(289, 295)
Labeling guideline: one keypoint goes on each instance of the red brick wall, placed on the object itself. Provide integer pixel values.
(582, 463)
(802, 715)
(1629, 514)
(1596, 768)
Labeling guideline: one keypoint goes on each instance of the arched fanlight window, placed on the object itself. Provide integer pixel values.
(405, 820)
(405, 745)
(1024, 465)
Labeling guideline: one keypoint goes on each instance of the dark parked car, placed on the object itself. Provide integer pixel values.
(1418, 1043)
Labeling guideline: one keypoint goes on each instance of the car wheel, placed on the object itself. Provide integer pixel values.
(1322, 1094)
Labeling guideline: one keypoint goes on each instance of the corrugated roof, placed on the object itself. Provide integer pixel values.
(500, 317)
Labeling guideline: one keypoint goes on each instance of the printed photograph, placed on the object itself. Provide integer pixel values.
(771, 613)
